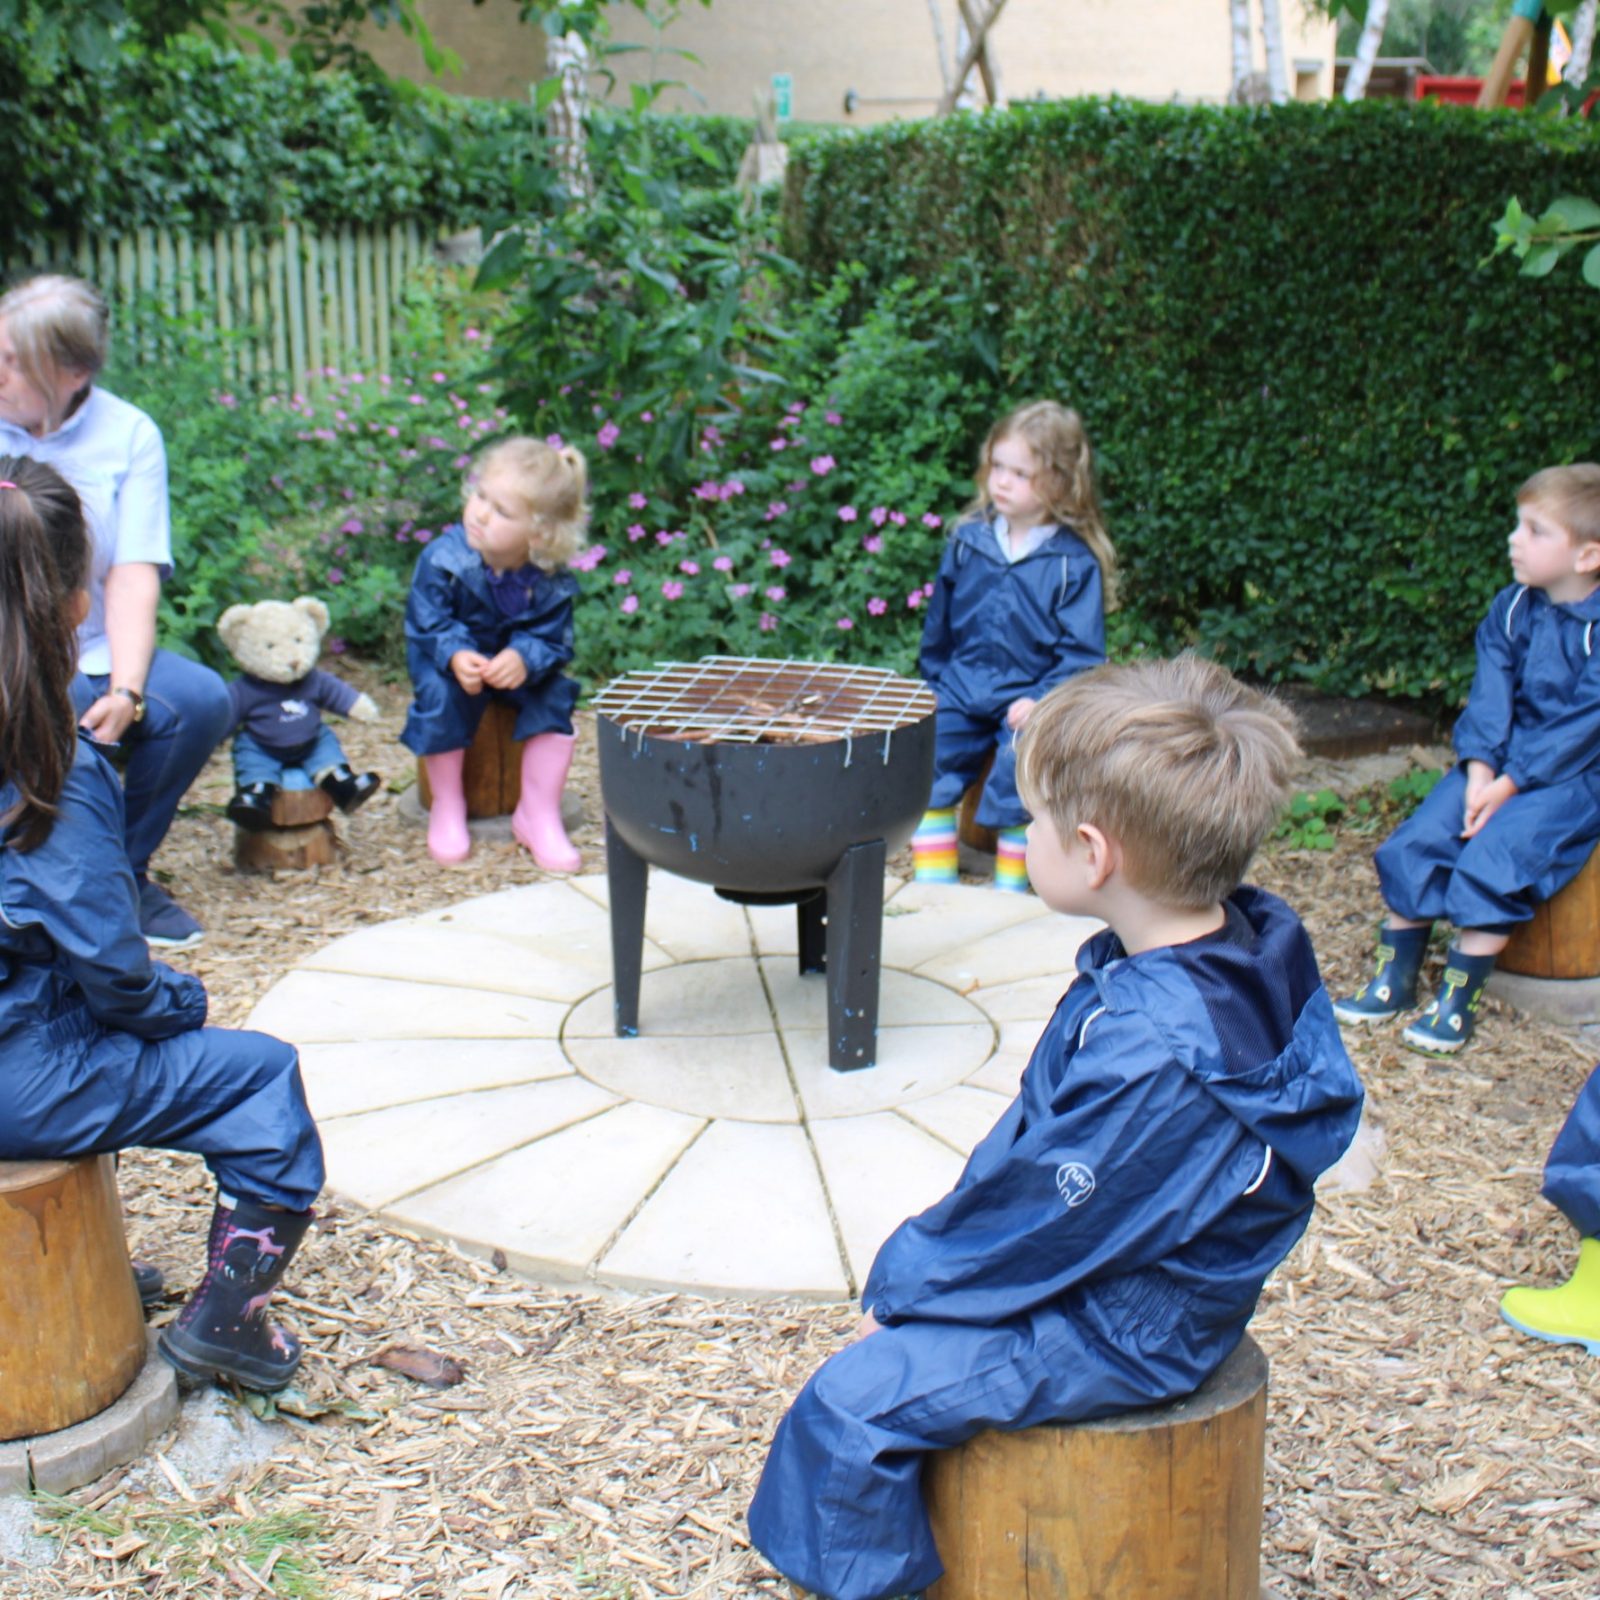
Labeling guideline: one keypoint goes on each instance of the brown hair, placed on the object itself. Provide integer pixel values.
(57, 324)
(1179, 762)
(44, 557)
(551, 482)
(1569, 496)
(1066, 480)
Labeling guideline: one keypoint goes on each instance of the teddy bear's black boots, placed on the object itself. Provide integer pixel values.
(251, 806)
(350, 789)
(223, 1331)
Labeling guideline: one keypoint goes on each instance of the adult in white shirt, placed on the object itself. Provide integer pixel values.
(168, 713)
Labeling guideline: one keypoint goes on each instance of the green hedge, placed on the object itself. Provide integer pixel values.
(1311, 405)
(192, 136)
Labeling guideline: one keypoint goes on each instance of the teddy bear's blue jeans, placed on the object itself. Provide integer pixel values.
(253, 762)
(186, 713)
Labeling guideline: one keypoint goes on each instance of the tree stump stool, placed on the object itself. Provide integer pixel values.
(492, 772)
(968, 829)
(300, 836)
(1163, 1504)
(72, 1334)
(1551, 967)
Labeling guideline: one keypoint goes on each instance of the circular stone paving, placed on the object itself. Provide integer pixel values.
(469, 1084)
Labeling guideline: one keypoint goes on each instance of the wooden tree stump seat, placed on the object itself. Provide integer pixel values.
(1563, 939)
(300, 836)
(72, 1334)
(968, 829)
(1163, 1504)
(492, 772)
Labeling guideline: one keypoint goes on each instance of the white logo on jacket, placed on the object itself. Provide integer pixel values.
(291, 709)
(1074, 1183)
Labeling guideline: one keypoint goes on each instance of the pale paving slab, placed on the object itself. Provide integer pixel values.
(904, 998)
(696, 999)
(377, 1156)
(742, 1212)
(913, 1063)
(305, 1007)
(928, 920)
(552, 1206)
(689, 920)
(1042, 947)
(1002, 1072)
(715, 1075)
(445, 953)
(345, 1078)
(1031, 1000)
(960, 1116)
(880, 1170)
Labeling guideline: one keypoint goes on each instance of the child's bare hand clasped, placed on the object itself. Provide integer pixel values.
(506, 671)
(468, 667)
(1483, 803)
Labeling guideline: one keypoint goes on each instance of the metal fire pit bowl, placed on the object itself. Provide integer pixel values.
(777, 782)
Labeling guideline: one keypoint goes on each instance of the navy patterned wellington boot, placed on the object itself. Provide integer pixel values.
(1393, 987)
(222, 1331)
(1448, 1022)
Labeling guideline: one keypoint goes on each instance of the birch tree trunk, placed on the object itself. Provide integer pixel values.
(939, 46)
(969, 56)
(1355, 86)
(1239, 19)
(1277, 67)
(1582, 43)
(568, 115)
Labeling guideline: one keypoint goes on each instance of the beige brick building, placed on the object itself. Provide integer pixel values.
(863, 61)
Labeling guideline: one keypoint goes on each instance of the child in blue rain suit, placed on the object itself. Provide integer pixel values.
(490, 616)
(1570, 1313)
(101, 1047)
(1519, 814)
(1107, 1242)
(1018, 607)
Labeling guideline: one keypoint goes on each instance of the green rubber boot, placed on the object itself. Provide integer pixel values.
(1567, 1314)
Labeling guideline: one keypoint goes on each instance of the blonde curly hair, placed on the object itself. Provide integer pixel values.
(551, 483)
(1066, 481)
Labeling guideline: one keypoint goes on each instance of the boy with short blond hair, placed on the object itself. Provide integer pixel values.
(1107, 1242)
(1517, 817)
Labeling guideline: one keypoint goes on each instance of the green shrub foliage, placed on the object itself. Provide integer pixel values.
(191, 136)
(1311, 403)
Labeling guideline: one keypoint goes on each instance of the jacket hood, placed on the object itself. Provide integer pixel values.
(1272, 1055)
(977, 533)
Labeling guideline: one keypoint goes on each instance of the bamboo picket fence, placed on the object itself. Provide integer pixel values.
(292, 302)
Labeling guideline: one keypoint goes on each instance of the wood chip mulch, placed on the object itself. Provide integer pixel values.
(606, 1446)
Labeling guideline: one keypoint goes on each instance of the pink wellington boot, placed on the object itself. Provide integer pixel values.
(537, 820)
(449, 843)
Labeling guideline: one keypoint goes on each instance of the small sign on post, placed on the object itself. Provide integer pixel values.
(783, 95)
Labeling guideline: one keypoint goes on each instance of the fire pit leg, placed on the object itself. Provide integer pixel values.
(854, 943)
(811, 916)
(628, 875)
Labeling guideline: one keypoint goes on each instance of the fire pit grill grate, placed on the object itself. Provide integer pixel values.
(751, 700)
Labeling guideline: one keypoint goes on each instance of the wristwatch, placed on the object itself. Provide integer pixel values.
(136, 699)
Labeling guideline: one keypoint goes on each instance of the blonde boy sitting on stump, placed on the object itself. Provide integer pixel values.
(1107, 1242)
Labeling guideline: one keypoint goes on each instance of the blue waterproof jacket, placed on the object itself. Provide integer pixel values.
(997, 631)
(73, 964)
(451, 608)
(1534, 710)
(1161, 1153)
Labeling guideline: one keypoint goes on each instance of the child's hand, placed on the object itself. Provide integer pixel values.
(468, 666)
(506, 671)
(1485, 803)
(867, 1324)
(1018, 712)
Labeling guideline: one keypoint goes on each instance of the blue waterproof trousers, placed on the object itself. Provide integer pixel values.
(233, 1097)
(961, 742)
(839, 1507)
(1535, 844)
(1572, 1172)
(443, 716)
(186, 714)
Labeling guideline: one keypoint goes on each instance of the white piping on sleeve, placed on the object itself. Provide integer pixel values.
(1261, 1176)
(1086, 1021)
(1512, 609)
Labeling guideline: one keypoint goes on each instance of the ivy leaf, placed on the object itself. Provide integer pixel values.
(1591, 268)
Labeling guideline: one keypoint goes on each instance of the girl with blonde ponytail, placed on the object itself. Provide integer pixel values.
(1018, 607)
(490, 617)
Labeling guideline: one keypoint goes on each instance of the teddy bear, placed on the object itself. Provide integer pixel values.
(280, 740)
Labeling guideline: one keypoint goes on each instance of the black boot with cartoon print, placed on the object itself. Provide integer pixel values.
(223, 1331)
